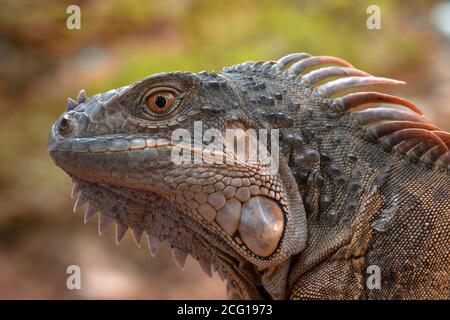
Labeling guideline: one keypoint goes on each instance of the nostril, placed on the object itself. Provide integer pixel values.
(65, 125)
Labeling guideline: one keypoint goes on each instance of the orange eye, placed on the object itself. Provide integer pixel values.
(159, 102)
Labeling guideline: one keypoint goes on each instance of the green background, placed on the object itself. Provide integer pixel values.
(42, 63)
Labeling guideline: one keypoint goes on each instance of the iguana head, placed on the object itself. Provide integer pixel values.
(156, 157)
(152, 156)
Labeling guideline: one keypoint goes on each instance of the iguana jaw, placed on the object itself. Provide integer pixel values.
(150, 203)
(202, 192)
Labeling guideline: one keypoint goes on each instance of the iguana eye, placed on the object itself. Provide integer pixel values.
(159, 102)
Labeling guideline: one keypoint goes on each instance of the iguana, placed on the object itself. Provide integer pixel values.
(362, 182)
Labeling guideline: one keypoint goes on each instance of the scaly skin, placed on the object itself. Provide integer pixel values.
(348, 192)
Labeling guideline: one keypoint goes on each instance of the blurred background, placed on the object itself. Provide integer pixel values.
(42, 63)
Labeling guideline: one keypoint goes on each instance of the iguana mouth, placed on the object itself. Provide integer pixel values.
(109, 143)
(250, 211)
(241, 200)
(111, 156)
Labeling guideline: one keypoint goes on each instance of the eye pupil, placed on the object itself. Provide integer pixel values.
(160, 102)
